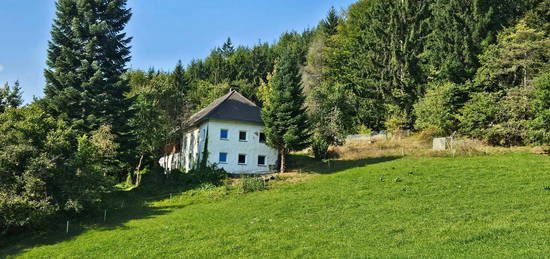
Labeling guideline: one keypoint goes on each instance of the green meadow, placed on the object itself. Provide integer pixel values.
(481, 206)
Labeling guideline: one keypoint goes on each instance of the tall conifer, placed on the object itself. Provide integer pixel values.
(284, 114)
(87, 55)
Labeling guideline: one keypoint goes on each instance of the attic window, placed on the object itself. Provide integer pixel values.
(242, 135)
(224, 134)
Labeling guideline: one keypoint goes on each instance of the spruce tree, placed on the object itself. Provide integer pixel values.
(178, 94)
(330, 23)
(10, 97)
(284, 115)
(87, 55)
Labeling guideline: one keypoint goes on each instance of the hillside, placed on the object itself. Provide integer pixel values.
(487, 205)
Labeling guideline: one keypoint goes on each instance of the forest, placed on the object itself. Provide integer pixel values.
(437, 67)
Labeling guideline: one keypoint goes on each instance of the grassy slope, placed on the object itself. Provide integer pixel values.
(471, 207)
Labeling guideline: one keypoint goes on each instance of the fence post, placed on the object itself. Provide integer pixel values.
(170, 196)
(105, 216)
(402, 152)
(67, 230)
(122, 205)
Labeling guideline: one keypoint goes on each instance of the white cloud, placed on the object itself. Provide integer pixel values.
(1, 68)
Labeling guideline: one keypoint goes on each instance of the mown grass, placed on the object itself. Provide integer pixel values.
(482, 206)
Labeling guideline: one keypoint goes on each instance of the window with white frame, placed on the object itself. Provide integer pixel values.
(224, 134)
(222, 158)
(262, 137)
(261, 160)
(242, 135)
(241, 159)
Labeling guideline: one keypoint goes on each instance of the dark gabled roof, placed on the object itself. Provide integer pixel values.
(232, 106)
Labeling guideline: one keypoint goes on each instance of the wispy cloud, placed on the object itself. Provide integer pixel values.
(1, 68)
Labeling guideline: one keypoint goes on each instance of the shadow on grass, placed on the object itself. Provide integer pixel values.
(118, 208)
(305, 163)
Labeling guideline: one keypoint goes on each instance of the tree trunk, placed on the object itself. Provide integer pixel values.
(138, 178)
(283, 161)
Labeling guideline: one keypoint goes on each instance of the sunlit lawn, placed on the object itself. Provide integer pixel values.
(485, 206)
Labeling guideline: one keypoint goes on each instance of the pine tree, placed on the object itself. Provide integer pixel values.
(87, 55)
(180, 84)
(227, 49)
(286, 125)
(330, 23)
(10, 97)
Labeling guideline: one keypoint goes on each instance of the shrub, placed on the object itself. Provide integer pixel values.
(437, 111)
(499, 120)
(207, 174)
(252, 184)
(319, 147)
(479, 114)
(540, 126)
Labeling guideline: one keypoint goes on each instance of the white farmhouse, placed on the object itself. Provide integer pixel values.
(233, 128)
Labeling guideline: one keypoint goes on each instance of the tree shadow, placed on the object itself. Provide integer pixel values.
(118, 208)
(304, 163)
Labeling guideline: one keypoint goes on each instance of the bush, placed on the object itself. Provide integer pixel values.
(437, 111)
(479, 114)
(319, 147)
(207, 174)
(540, 126)
(499, 120)
(252, 184)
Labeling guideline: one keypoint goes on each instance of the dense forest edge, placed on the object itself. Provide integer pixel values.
(440, 67)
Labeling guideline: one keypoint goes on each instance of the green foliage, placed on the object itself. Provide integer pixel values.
(518, 56)
(541, 123)
(207, 174)
(326, 103)
(479, 114)
(437, 111)
(46, 168)
(10, 97)
(87, 56)
(284, 117)
(252, 183)
(499, 120)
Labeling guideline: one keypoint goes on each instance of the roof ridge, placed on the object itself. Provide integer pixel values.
(231, 92)
(213, 109)
(246, 99)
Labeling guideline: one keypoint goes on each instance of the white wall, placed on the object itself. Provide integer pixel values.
(193, 145)
(233, 147)
(190, 148)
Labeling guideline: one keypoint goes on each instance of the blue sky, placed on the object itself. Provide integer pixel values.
(163, 30)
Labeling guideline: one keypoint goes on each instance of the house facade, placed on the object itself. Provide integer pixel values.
(231, 130)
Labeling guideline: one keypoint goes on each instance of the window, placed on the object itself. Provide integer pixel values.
(242, 159)
(261, 160)
(224, 134)
(223, 157)
(242, 135)
(262, 137)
